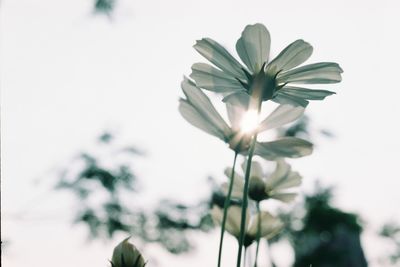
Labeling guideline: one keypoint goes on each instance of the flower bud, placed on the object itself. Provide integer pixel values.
(127, 255)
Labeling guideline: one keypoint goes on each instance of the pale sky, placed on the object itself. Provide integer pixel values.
(67, 75)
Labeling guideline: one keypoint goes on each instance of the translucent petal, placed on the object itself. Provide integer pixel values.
(282, 115)
(291, 180)
(237, 191)
(270, 225)
(281, 171)
(253, 47)
(236, 105)
(256, 169)
(204, 107)
(323, 72)
(292, 56)
(284, 197)
(288, 147)
(235, 115)
(309, 94)
(191, 115)
(282, 97)
(233, 219)
(220, 57)
(213, 79)
(217, 214)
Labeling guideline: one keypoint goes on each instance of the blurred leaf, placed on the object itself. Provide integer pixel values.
(104, 6)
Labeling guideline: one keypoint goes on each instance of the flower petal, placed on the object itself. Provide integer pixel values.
(270, 225)
(220, 57)
(293, 179)
(309, 94)
(204, 107)
(323, 72)
(210, 78)
(237, 191)
(256, 169)
(293, 55)
(284, 197)
(282, 97)
(282, 115)
(233, 219)
(289, 147)
(253, 47)
(195, 118)
(281, 171)
(236, 105)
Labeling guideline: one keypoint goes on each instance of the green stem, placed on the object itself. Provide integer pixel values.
(258, 232)
(226, 206)
(255, 102)
(245, 199)
(245, 256)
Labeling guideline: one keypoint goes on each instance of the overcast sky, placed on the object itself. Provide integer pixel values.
(67, 75)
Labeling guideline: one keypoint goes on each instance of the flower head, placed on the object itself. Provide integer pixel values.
(263, 186)
(127, 255)
(277, 79)
(270, 225)
(198, 110)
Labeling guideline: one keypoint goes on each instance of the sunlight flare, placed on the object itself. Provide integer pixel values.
(250, 121)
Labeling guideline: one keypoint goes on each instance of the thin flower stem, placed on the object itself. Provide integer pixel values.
(245, 256)
(255, 102)
(226, 206)
(258, 232)
(245, 199)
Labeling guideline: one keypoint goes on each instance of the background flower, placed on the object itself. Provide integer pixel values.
(270, 225)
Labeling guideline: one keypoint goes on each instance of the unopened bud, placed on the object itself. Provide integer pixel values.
(127, 255)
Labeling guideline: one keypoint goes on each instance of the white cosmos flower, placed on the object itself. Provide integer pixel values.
(270, 225)
(263, 186)
(198, 110)
(279, 78)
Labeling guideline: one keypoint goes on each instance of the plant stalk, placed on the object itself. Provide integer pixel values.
(226, 206)
(245, 199)
(255, 102)
(258, 231)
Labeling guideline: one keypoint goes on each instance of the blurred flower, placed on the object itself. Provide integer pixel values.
(198, 110)
(263, 186)
(270, 225)
(276, 79)
(275, 185)
(127, 255)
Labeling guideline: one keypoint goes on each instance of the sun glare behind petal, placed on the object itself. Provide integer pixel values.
(249, 121)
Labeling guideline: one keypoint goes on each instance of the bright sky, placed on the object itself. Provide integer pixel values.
(67, 75)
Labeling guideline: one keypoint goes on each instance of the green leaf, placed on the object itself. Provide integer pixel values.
(287, 147)
(323, 72)
(213, 79)
(282, 115)
(253, 47)
(310, 94)
(220, 57)
(293, 55)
